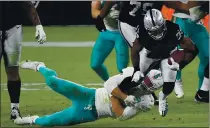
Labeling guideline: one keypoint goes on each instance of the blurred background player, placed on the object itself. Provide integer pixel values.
(90, 104)
(200, 36)
(107, 40)
(11, 44)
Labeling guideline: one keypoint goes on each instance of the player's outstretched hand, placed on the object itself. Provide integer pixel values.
(137, 76)
(131, 101)
(100, 24)
(40, 34)
(173, 65)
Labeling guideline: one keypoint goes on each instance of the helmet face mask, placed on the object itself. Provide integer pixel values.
(154, 24)
(158, 33)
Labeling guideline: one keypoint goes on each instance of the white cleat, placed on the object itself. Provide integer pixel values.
(163, 105)
(25, 120)
(27, 64)
(178, 89)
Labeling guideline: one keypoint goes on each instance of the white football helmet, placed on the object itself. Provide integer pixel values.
(154, 23)
(152, 81)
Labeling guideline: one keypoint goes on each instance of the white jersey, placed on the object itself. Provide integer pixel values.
(111, 20)
(103, 103)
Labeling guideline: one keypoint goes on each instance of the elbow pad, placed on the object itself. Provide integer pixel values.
(128, 113)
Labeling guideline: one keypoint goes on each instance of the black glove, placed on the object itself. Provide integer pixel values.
(100, 24)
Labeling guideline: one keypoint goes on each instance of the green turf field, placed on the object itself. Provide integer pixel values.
(73, 64)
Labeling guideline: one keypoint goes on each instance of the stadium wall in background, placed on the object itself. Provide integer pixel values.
(64, 13)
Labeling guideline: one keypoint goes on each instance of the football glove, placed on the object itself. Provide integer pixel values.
(40, 34)
(174, 65)
(137, 76)
(130, 101)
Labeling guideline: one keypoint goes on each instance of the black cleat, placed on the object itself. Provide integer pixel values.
(202, 96)
(15, 113)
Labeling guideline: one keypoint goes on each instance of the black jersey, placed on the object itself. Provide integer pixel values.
(12, 13)
(132, 12)
(161, 48)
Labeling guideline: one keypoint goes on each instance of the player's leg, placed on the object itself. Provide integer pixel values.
(101, 50)
(169, 78)
(178, 84)
(200, 37)
(122, 52)
(202, 94)
(11, 53)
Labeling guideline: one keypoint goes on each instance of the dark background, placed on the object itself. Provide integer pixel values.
(64, 13)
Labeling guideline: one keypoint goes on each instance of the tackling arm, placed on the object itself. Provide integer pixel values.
(111, 85)
(135, 58)
(106, 8)
(95, 8)
(121, 112)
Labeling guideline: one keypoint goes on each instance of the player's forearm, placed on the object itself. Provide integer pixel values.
(135, 58)
(119, 94)
(32, 13)
(106, 8)
(95, 13)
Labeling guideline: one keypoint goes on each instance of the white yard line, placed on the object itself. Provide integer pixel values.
(59, 44)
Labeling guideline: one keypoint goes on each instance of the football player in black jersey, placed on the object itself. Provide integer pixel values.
(12, 16)
(158, 40)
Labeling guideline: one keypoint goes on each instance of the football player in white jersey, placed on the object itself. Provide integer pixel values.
(89, 104)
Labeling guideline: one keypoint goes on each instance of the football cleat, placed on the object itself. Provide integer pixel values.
(163, 105)
(25, 120)
(27, 64)
(178, 89)
(202, 96)
(15, 113)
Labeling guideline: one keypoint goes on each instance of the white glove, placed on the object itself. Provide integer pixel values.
(137, 75)
(130, 100)
(196, 14)
(114, 14)
(40, 34)
(174, 66)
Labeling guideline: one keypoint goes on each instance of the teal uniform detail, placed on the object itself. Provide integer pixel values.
(200, 37)
(83, 102)
(106, 41)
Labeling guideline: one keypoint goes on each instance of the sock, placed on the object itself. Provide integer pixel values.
(16, 105)
(14, 92)
(178, 76)
(205, 84)
(168, 87)
(37, 68)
